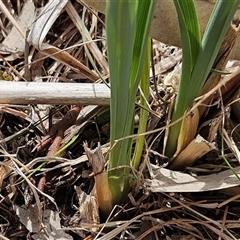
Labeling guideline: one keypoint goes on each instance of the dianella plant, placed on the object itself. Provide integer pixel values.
(199, 60)
(127, 27)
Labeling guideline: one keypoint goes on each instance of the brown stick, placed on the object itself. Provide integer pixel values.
(57, 131)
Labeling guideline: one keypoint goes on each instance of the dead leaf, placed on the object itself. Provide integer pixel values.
(5, 170)
(14, 43)
(165, 180)
(50, 229)
(39, 30)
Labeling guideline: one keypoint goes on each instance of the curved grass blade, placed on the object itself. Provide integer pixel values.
(194, 76)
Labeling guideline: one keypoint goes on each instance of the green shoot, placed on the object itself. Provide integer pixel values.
(127, 24)
(198, 56)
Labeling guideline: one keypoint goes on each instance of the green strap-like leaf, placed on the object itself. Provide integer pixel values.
(128, 24)
(191, 44)
(195, 68)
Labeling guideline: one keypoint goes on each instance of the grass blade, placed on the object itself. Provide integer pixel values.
(143, 112)
(196, 68)
(127, 24)
(191, 41)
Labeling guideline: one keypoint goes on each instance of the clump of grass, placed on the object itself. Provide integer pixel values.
(199, 55)
(127, 24)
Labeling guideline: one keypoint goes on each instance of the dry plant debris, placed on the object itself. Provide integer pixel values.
(66, 44)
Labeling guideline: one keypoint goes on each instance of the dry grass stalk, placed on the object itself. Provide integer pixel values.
(103, 193)
(39, 30)
(54, 93)
(78, 22)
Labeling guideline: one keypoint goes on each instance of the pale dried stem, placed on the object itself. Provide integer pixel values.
(103, 192)
(54, 93)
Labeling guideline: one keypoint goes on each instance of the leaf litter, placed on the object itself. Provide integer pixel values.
(48, 202)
